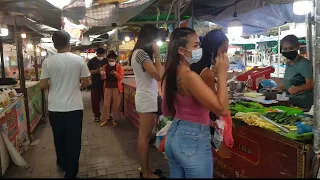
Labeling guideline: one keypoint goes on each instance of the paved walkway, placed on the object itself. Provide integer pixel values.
(106, 152)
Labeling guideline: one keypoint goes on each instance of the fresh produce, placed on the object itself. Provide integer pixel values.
(253, 119)
(246, 107)
(253, 105)
(283, 118)
(288, 110)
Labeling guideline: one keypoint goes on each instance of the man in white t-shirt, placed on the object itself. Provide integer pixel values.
(61, 74)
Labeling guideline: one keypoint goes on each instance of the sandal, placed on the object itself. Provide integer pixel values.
(104, 123)
(160, 176)
(156, 172)
(114, 124)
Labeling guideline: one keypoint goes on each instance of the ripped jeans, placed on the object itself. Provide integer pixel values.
(189, 151)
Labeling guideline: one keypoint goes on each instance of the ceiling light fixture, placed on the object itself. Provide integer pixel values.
(235, 27)
(302, 7)
(23, 35)
(127, 38)
(4, 30)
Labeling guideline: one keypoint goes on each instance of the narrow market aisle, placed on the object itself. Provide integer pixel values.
(106, 152)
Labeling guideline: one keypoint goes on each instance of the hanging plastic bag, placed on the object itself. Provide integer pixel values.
(217, 136)
(164, 130)
(227, 134)
(162, 144)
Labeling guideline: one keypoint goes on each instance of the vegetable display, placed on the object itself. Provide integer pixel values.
(283, 118)
(253, 119)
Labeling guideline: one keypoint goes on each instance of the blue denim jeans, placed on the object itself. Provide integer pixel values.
(188, 149)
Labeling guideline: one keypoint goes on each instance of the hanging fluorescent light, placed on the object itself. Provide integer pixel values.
(43, 53)
(159, 43)
(4, 30)
(302, 7)
(127, 38)
(23, 35)
(235, 26)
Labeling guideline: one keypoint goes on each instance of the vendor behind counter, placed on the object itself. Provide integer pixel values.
(298, 77)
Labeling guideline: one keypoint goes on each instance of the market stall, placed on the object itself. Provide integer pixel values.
(261, 149)
(14, 131)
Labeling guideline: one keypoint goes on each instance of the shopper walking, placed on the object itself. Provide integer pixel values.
(145, 61)
(188, 100)
(112, 75)
(61, 74)
(95, 65)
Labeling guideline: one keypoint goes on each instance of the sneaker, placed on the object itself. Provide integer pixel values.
(96, 119)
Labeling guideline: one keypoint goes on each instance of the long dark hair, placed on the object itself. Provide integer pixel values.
(178, 38)
(147, 35)
(210, 45)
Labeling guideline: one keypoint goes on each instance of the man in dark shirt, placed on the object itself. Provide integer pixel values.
(95, 65)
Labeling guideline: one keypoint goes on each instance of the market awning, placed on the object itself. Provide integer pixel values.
(39, 11)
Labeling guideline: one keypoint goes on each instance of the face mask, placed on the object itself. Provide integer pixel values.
(112, 63)
(291, 55)
(196, 56)
(100, 58)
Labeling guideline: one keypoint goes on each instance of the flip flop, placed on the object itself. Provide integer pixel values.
(104, 123)
(160, 176)
(114, 124)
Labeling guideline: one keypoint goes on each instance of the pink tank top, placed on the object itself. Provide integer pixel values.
(187, 109)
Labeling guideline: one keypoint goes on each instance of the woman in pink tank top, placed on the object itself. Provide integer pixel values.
(188, 100)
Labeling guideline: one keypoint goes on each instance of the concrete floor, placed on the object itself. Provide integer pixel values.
(106, 152)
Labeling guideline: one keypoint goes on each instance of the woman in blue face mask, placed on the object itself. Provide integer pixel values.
(188, 100)
(298, 77)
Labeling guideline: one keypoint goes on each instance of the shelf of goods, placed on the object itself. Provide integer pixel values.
(261, 150)
(13, 130)
(35, 102)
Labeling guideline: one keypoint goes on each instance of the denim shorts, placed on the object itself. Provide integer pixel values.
(189, 151)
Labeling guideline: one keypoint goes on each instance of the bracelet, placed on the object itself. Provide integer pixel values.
(157, 57)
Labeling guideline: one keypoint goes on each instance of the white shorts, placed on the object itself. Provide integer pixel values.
(146, 104)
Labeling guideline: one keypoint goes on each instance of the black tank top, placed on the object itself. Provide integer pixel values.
(111, 81)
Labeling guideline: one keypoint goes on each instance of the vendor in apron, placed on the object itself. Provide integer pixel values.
(298, 77)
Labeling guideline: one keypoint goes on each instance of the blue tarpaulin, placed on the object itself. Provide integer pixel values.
(256, 15)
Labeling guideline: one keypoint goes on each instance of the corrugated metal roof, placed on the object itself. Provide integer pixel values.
(38, 10)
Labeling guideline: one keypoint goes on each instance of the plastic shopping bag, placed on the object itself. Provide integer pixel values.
(217, 136)
(162, 144)
(227, 134)
(164, 130)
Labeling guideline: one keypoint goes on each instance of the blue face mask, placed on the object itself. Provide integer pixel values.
(196, 56)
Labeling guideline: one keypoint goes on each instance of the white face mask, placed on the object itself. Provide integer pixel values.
(100, 58)
(196, 56)
(112, 63)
